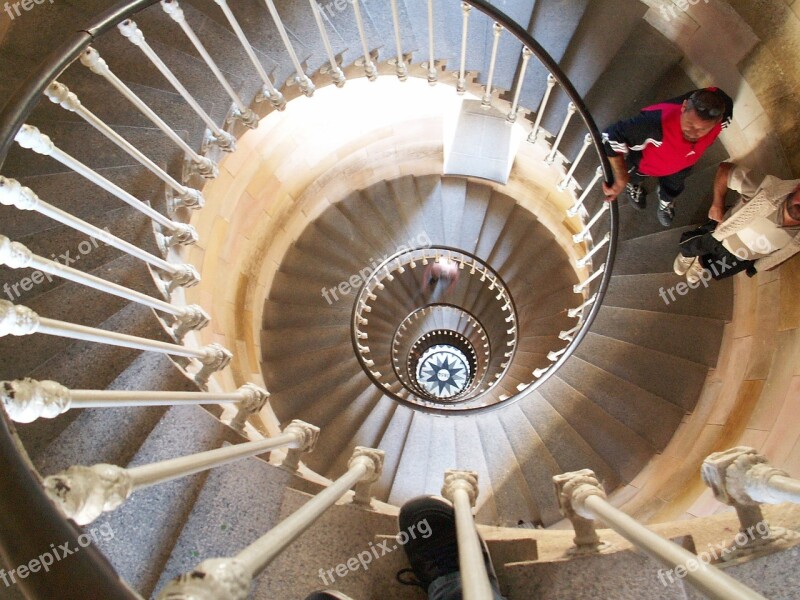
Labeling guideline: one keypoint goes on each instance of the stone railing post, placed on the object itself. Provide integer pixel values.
(571, 489)
(308, 434)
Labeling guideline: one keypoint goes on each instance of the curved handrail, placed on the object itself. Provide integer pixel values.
(29, 521)
(22, 500)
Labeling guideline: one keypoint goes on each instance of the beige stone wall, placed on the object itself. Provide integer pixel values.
(752, 398)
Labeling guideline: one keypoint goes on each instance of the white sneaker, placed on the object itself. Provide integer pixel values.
(682, 264)
(695, 272)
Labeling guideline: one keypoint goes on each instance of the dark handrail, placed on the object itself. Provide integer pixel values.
(29, 522)
(552, 66)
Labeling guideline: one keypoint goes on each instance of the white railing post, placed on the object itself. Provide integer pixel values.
(569, 334)
(486, 100)
(291, 461)
(742, 478)
(231, 577)
(337, 75)
(400, 64)
(131, 31)
(20, 320)
(461, 86)
(461, 488)
(582, 235)
(241, 111)
(12, 193)
(31, 138)
(534, 134)
(582, 262)
(84, 493)
(581, 495)
(512, 114)
(204, 167)
(433, 75)
(554, 354)
(369, 67)
(571, 110)
(27, 400)
(17, 256)
(579, 287)
(587, 141)
(254, 400)
(573, 210)
(586, 539)
(578, 310)
(60, 94)
(300, 79)
(268, 90)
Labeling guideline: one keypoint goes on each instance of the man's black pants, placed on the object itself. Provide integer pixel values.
(719, 261)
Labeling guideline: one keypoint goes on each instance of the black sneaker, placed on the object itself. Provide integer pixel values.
(666, 212)
(637, 196)
(328, 595)
(436, 555)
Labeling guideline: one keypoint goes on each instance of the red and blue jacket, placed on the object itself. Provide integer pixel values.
(654, 142)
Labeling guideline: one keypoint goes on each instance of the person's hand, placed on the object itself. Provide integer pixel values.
(716, 213)
(615, 190)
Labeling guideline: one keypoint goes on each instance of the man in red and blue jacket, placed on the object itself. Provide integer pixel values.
(664, 141)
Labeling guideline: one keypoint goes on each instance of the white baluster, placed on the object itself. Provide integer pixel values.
(268, 91)
(551, 82)
(582, 500)
(461, 488)
(486, 101)
(461, 86)
(241, 111)
(554, 354)
(578, 288)
(573, 210)
(231, 577)
(21, 320)
(27, 400)
(369, 67)
(23, 198)
(400, 65)
(84, 493)
(95, 63)
(433, 75)
(17, 256)
(571, 109)
(221, 138)
(31, 138)
(581, 236)
(300, 79)
(60, 94)
(540, 371)
(582, 262)
(512, 114)
(337, 75)
(587, 141)
(578, 310)
(569, 334)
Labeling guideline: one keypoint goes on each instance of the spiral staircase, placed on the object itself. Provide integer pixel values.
(352, 363)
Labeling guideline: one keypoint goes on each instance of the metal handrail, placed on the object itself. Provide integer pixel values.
(22, 499)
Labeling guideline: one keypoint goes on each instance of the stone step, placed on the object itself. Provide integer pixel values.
(379, 14)
(650, 416)
(393, 443)
(224, 519)
(149, 523)
(471, 456)
(621, 448)
(114, 435)
(512, 496)
(651, 292)
(673, 378)
(663, 332)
